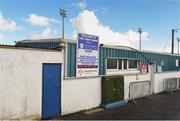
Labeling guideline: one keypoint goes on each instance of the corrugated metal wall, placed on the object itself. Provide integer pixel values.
(71, 60)
(169, 61)
(44, 45)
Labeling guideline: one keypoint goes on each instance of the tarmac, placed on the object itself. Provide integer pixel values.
(161, 106)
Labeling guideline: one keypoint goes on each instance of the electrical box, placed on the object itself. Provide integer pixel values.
(112, 89)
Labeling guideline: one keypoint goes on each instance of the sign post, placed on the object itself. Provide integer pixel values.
(87, 61)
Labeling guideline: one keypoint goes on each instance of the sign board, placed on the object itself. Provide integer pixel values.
(144, 68)
(177, 62)
(87, 61)
(159, 68)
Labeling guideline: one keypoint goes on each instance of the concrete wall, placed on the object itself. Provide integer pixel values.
(159, 77)
(21, 84)
(21, 81)
(80, 94)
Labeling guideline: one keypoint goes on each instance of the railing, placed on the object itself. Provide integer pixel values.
(139, 89)
(171, 84)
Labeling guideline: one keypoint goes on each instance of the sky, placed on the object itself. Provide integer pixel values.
(115, 21)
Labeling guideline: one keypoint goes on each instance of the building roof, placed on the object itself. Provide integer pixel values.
(40, 43)
(3, 45)
(26, 48)
(54, 43)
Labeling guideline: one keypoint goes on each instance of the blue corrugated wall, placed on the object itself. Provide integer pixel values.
(71, 60)
(169, 61)
(45, 45)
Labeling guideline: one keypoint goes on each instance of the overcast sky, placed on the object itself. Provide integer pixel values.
(114, 21)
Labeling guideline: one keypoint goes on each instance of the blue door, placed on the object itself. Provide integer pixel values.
(51, 90)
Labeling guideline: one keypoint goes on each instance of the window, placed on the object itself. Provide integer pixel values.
(111, 63)
(120, 64)
(133, 64)
(114, 64)
(125, 64)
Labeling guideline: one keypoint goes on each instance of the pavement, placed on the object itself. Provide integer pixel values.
(161, 106)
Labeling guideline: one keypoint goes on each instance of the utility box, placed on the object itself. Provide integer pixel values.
(112, 89)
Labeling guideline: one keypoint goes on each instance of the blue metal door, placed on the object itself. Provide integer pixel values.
(51, 90)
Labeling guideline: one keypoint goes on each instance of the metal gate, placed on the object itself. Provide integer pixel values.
(171, 84)
(139, 89)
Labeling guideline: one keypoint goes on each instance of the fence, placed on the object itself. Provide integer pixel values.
(171, 84)
(139, 89)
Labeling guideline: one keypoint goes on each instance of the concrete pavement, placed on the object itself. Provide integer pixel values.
(160, 106)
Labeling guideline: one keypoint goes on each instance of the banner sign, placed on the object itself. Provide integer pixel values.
(87, 60)
(159, 68)
(144, 68)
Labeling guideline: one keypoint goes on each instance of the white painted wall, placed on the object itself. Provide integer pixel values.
(80, 94)
(21, 84)
(159, 77)
(21, 81)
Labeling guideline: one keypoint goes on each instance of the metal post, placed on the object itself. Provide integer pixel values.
(140, 42)
(62, 28)
(178, 40)
(63, 15)
(173, 41)
(140, 32)
(173, 31)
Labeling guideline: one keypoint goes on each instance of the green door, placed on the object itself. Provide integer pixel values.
(111, 96)
(119, 86)
(108, 85)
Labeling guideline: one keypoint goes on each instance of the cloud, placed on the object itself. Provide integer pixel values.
(81, 5)
(7, 24)
(87, 22)
(45, 34)
(34, 35)
(40, 20)
(2, 37)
